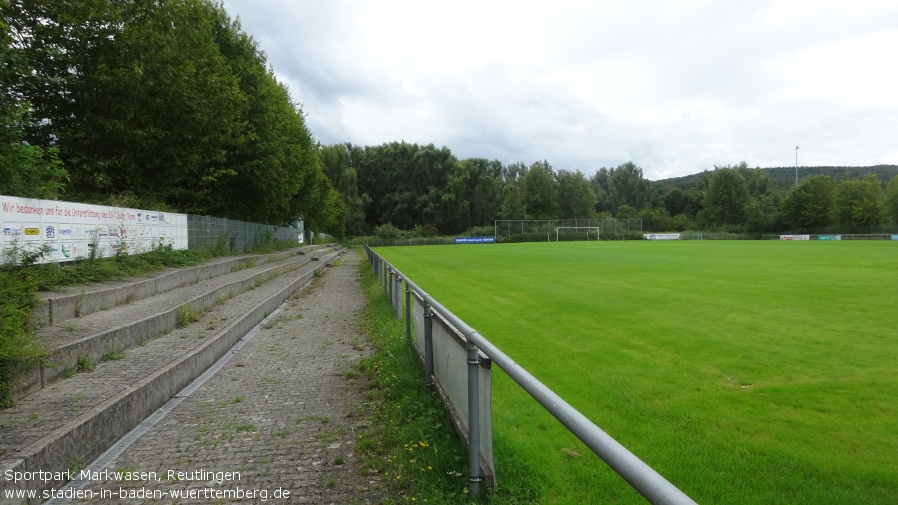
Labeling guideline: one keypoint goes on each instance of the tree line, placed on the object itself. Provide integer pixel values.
(160, 105)
(170, 106)
(426, 190)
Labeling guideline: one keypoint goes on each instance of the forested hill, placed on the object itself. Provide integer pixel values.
(785, 176)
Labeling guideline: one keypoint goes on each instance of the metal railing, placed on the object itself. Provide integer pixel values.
(645, 480)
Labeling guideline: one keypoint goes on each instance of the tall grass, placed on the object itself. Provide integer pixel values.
(744, 372)
(410, 442)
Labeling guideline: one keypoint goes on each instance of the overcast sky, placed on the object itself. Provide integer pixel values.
(674, 86)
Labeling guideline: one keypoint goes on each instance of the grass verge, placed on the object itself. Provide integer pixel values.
(411, 441)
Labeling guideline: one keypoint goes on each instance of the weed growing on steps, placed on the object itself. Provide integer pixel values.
(85, 364)
(187, 315)
(21, 277)
(113, 355)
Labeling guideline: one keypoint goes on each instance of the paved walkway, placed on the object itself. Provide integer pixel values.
(276, 424)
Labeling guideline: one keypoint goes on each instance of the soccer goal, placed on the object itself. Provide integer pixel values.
(577, 230)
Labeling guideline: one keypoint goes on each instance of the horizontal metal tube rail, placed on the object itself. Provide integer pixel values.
(643, 478)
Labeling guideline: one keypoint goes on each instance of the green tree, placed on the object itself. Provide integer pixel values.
(600, 182)
(539, 192)
(626, 212)
(272, 172)
(757, 182)
(321, 206)
(658, 219)
(627, 186)
(675, 201)
(28, 171)
(860, 202)
(136, 95)
(892, 199)
(406, 183)
(512, 204)
(336, 161)
(810, 204)
(576, 199)
(472, 194)
(726, 198)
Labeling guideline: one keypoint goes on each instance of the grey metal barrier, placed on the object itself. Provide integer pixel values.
(645, 480)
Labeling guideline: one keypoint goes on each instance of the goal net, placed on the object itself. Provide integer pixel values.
(576, 233)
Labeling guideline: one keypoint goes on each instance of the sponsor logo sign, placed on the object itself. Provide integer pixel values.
(475, 240)
(661, 236)
(795, 237)
(829, 237)
(66, 227)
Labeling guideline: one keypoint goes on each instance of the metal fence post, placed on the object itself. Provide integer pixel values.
(475, 479)
(428, 345)
(390, 289)
(397, 294)
(408, 314)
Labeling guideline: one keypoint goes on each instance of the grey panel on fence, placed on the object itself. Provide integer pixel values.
(418, 330)
(450, 369)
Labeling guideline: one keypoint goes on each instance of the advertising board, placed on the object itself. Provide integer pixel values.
(661, 236)
(475, 240)
(73, 230)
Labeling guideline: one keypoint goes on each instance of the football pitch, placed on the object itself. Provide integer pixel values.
(745, 372)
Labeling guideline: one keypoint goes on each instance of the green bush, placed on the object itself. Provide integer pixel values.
(387, 231)
(18, 347)
(479, 231)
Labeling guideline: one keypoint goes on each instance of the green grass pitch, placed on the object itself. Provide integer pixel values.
(744, 372)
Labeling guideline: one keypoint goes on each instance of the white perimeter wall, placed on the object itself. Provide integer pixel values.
(70, 228)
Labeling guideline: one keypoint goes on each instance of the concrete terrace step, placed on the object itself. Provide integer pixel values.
(71, 422)
(77, 301)
(113, 330)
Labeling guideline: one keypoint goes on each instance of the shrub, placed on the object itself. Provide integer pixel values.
(387, 231)
(479, 231)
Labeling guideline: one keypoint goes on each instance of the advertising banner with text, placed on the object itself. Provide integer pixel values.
(475, 240)
(71, 230)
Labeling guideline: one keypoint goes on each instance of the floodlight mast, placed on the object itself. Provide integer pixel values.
(796, 165)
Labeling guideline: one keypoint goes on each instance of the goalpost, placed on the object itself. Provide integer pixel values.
(575, 228)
